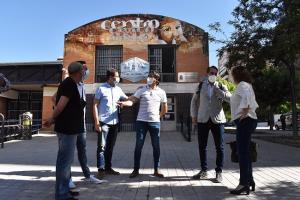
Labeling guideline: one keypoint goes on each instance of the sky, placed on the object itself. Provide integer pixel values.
(33, 30)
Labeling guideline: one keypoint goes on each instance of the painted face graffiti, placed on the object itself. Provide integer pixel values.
(172, 32)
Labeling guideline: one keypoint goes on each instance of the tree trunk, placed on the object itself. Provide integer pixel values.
(293, 101)
(271, 118)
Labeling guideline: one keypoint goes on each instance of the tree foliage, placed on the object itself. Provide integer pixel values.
(266, 39)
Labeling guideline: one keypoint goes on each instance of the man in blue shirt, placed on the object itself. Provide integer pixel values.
(105, 112)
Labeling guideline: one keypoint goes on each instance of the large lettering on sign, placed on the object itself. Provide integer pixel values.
(133, 29)
(135, 25)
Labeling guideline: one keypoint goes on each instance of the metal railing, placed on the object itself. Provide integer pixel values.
(12, 129)
(186, 127)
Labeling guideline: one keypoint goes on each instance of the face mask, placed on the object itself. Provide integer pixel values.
(117, 81)
(150, 81)
(86, 75)
(212, 78)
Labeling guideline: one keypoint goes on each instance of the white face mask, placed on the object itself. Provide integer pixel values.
(117, 81)
(212, 78)
(86, 75)
(150, 81)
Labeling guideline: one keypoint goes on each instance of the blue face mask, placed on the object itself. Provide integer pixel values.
(86, 75)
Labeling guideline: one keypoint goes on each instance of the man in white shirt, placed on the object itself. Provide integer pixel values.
(153, 106)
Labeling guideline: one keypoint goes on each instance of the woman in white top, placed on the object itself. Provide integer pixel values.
(243, 106)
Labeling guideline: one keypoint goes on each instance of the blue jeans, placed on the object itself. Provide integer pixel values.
(244, 129)
(65, 156)
(105, 145)
(141, 131)
(218, 135)
(81, 150)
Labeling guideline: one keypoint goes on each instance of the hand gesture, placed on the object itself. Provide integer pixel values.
(97, 128)
(48, 122)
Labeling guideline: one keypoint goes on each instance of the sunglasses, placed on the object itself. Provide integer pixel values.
(213, 73)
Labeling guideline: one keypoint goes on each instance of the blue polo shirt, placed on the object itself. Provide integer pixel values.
(108, 97)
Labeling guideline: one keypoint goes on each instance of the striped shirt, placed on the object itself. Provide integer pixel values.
(150, 101)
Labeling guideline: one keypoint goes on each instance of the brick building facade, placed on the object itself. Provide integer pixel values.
(176, 49)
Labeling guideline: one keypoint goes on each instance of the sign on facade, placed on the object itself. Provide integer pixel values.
(188, 77)
(135, 69)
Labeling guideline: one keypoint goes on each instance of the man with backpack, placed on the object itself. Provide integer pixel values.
(207, 112)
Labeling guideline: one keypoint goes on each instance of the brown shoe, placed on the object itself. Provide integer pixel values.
(111, 172)
(158, 174)
(101, 174)
(134, 174)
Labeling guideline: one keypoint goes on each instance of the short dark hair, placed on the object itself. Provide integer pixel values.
(81, 62)
(212, 67)
(155, 75)
(111, 73)
(240, 73)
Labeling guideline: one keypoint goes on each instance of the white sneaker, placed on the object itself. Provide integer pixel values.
(94, 180)
(72, 184)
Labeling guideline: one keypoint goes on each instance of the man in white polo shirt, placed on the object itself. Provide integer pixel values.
(153, 106)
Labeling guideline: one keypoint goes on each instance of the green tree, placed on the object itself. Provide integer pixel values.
(266, 40)
(231, 87)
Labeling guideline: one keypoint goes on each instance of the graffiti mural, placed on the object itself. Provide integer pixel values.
(136, 32)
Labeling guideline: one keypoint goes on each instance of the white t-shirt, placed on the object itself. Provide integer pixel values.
(243, 97)
(150, 101)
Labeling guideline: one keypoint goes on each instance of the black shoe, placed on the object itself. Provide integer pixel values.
(218, 178)
(158, 174)
(74, 193)
(111, 172)
(101, 173)
(201, 175)
(71, 198)
(134, 174)
(240, 190)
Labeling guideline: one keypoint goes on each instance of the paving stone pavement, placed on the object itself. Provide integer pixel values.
(27, 171)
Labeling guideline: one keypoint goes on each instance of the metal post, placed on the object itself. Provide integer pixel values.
(2, 129)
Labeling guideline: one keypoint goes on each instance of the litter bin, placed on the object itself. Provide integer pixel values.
(26, 124)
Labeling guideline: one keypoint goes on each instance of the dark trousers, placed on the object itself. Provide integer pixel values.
(244, 130)
(218, 135)
(81, 151)
(105, 145)
(141, 131)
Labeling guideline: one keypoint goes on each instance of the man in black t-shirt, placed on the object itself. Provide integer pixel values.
(68, 117)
